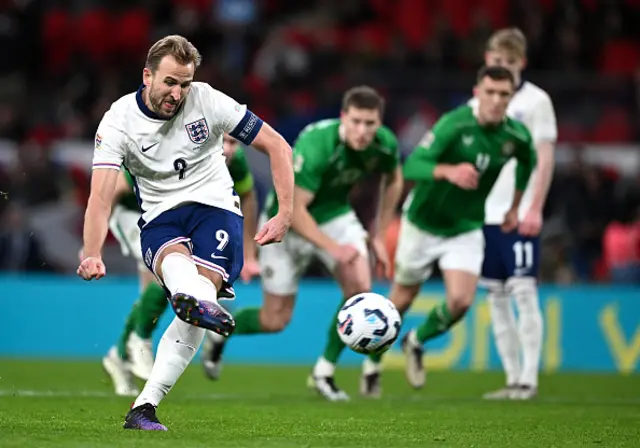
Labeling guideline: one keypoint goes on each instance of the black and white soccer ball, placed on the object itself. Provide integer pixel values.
(369, 323)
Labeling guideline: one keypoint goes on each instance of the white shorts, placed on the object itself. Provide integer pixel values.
(417, 251)
(124, 226)
(283, 264)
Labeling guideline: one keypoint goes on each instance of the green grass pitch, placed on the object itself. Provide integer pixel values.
(70, 404)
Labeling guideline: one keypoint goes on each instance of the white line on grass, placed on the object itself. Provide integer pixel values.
(27, 393)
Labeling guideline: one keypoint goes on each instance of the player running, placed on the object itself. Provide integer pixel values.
(168, 135)
(454, 167)
(510, 268)
(133, 354)
(330, 157)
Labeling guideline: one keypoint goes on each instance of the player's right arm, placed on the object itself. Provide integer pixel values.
(423, 164)
(310, 162)
(107, 159)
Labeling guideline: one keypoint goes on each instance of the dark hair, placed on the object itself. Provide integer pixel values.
(363, 97)
(496, 73)
(177, 46)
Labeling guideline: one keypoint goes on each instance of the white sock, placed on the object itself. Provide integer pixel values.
(209, 291)
(530, 328)
(179, 343)
(412, 339)
(505, 333)
(323, 368)
(180, 274)
(369, 367)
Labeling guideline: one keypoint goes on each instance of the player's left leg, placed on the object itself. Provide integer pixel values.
(195, 283)
(496, 268)
(460, 262)
(523, 287)
(353, 279)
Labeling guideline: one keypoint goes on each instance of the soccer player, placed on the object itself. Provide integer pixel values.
(330, 157)
(133, 353)
(454, 168)
(168, 135)
(510, 268)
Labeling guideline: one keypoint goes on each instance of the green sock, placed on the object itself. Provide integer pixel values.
(334, 346)
(151, 305)
(126, 331)
(437, 322)
(248, 321)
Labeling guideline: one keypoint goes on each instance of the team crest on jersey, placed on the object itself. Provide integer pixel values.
(508, 148)
(198, 131)
(427, 140)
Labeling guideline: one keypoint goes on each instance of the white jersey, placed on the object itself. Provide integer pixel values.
(175, 161)
(532, 106)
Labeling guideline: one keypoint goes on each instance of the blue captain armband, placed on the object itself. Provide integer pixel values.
(248, 128)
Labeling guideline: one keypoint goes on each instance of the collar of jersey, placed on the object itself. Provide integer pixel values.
(143, 107)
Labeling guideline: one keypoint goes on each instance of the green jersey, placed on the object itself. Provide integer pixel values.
(442, 208)
(238, 168)
(324, 165)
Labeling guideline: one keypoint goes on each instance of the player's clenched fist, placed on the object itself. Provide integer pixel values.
(274, 230)
(92, 268)
(464, 175)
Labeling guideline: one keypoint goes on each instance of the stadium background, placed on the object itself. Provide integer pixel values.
(63, 65)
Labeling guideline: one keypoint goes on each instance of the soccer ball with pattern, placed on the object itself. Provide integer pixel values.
(369, 323)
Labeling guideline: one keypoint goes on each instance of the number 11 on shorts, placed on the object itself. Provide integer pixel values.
(523, 252)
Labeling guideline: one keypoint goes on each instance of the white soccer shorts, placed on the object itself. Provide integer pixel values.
(283, 264)
(418, 250)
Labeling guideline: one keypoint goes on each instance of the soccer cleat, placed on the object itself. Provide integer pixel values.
(144, 418)
(524, 392)
(212, 354)
(414, 367)
(140, 353)
(118, 369)
(370, 385)
(326, 386)
(208, 315)
(505, 393)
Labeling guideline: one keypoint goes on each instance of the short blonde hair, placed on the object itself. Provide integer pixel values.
(510, 40)
(177, 46)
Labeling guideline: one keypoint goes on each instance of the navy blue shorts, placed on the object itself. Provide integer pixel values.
(508, 255)
(214, 236)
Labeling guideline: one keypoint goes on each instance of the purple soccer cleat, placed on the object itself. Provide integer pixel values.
(208, 315)
(144, 418)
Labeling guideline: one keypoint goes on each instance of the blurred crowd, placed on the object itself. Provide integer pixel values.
(66, 61)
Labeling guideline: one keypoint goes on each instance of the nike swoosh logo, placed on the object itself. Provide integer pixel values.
(218, 257)
(148, 147)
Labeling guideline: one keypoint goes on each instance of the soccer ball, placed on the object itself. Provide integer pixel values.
(369, 323)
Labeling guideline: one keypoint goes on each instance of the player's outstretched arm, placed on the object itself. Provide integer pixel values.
(391, 190)
(307, 227)
(271, 143)
(103, 183)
